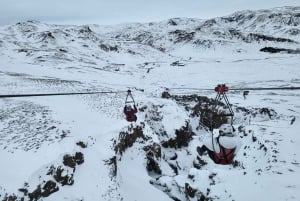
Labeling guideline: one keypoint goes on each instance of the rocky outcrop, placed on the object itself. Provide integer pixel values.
(153, 155)
(128, 138)
(280, 50)
(59, 176)
(182, 139)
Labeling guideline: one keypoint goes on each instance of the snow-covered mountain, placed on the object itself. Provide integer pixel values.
(81, 147)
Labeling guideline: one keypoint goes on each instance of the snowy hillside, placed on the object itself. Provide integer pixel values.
(80, 147)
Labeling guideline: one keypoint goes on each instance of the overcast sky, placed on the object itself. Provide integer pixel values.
(120, 11)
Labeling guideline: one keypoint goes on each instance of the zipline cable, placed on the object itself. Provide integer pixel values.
(244, 89)
(60, 94)
(107, 92)
(264, 88)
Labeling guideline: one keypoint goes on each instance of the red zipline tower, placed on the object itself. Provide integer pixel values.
(221, 90)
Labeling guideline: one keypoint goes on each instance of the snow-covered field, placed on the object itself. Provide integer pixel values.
(42, 138)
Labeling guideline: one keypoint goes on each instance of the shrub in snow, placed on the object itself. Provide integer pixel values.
(183, 137)
(128, 138)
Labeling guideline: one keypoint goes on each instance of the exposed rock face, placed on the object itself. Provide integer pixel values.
(153, 154)
(72, 161)
(48, 188)
(209, 117)
(128, 138)
(69, 161)
(61, 176)
(183, 137)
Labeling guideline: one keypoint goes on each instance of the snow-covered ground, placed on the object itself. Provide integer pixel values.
(187, 56)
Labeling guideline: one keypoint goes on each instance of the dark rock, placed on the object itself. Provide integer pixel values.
(23, 190)
(175, 198)
(36, 194)
(203, 198)
(206, 24)
(79, 159)
(152, 165)
(9, 198)
(165, 94)
(174, 168)
(279, 50)
(63, 50)
(204, 109)
(127, 139)
(69, 161)
(199, 163)
(260, 37)
(203, 43)
(82, 144)
(153, 150)
(85, 29)
(236, 163)
(108, 48)
(233, 33)
(153, 153)
(211, 119)
(177, 63)
(183, 137)
(49, 188)
(254, 139)
(189, 191)
(293, 120)
(63, 180)
(294, 31)
(267, 111)
(182, 36)
(145, 37)
(174, 157)
(211, 178)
